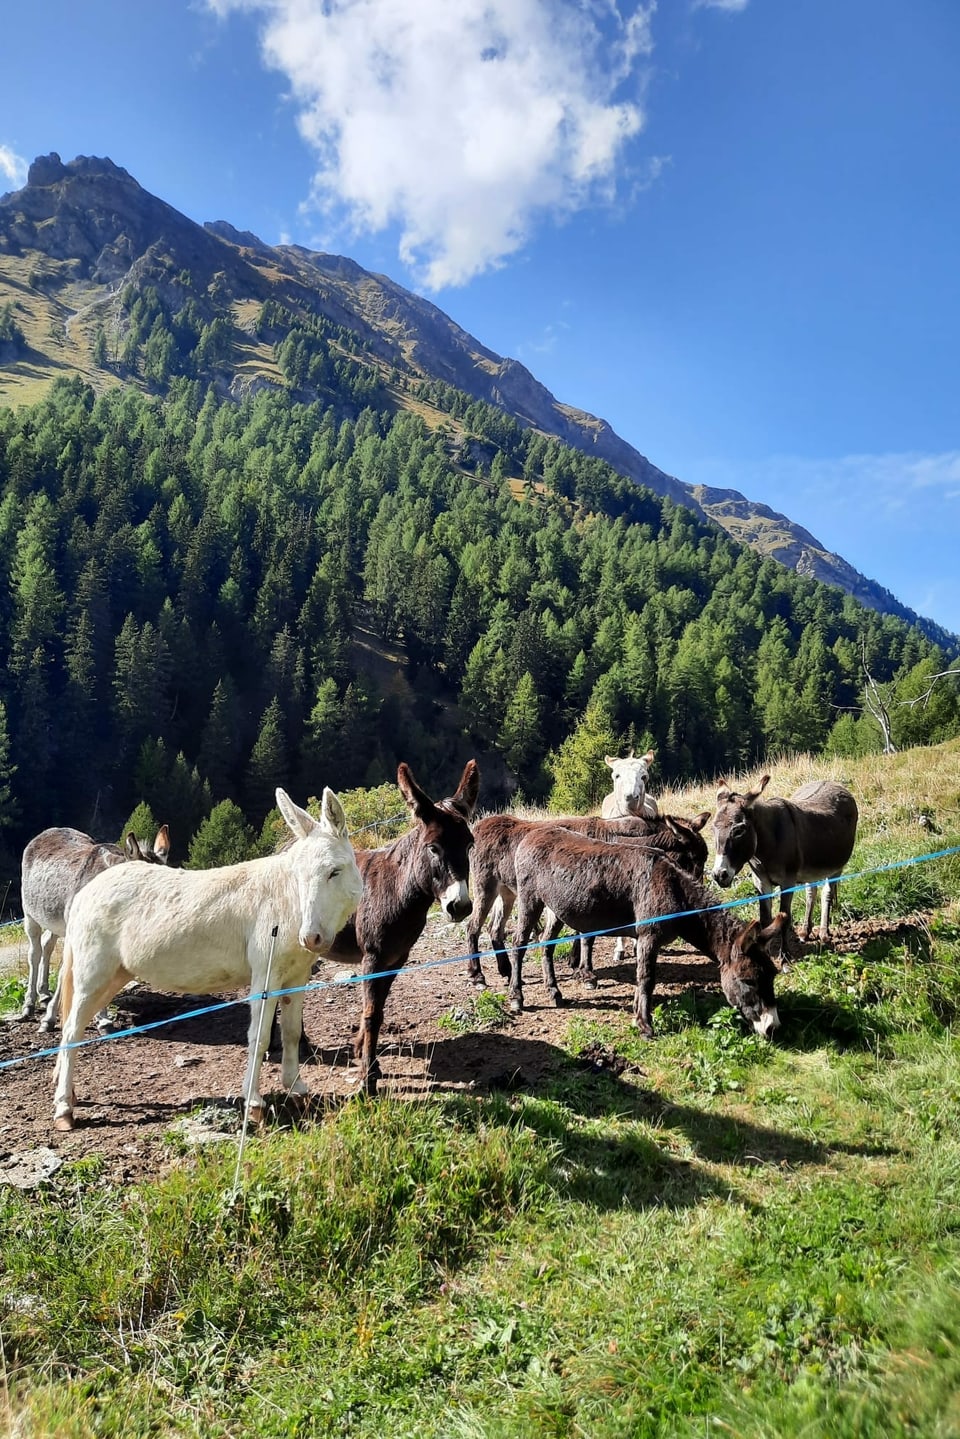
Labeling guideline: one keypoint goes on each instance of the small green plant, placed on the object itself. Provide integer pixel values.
(726, 1053)
(12, 990)
(486, 1010)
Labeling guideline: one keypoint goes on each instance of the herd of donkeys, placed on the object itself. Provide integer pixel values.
(630, 871)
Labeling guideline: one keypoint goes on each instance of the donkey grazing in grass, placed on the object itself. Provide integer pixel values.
(263, 921)
(496, 838)
(801, 840)
(629, 794)
(55, 867)
(430, 863)
(590, 885)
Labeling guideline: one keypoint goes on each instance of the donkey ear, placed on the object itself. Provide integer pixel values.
(649, 756)
(132, 846)
(748, 934)
(298, 821)
(700, 820)
(753, 795)
(724, 792)
(418, 802)
(161, 845)
(332, 814)
(610, 760)
(775, 926)
(468, 789)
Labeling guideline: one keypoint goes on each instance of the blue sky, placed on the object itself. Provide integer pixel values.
(729, 227)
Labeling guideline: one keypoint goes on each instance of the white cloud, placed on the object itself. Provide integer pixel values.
(732, 7)
(13, 166)
(461, 122)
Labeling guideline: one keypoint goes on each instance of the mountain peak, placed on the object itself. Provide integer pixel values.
(50, 170)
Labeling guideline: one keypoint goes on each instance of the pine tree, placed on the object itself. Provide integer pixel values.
(322, 744)
(580, 777)
(142, 824)
(520, 737)
(267, 765)
(224, 837)
(219, 747)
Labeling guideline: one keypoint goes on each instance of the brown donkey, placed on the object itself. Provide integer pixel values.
(428, 864)
(593, 886)
(493, 869)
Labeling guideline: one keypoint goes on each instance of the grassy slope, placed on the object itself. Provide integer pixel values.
(730, 1238)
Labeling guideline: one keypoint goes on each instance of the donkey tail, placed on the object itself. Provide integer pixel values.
(66, 981)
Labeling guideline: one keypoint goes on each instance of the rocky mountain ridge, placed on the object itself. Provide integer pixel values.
(80, 234)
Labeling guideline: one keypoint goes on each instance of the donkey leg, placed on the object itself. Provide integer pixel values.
(84, 1005)
(528, 917)
(375, 992)
(258, 1034)
(646, 979)
(808, 898)
(827, 896)
(547, 939)
(588, 979)
(290, 1010)
(52, 1012)
(499, 936)
(34, 933)
(481, 908)
(48, 944)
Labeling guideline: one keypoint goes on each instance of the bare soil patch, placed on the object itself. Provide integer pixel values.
(134, 1091)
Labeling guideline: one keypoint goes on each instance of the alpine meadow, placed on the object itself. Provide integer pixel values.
(269, 522)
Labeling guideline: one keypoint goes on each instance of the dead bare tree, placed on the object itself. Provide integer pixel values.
(875, 703)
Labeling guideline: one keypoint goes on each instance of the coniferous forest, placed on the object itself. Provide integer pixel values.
(203, 599)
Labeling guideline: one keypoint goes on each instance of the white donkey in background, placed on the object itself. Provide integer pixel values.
(629, 795)
(263, 921)
(56, 865)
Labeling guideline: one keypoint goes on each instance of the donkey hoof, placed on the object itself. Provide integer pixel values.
(515, 1005)
(478, 981)
(25, 1013)
(64, 1123)
(588, 980)
(557, 998)
(107, 1026)
(257, 1114)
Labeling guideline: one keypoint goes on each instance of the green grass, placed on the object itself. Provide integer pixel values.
(706, 1234)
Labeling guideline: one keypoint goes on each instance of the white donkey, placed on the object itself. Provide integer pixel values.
(629, 795)
(628, 799)
(263, 921)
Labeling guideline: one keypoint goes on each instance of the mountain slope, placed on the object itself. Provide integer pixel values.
(82, 242)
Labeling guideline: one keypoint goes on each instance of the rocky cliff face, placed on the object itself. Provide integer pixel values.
(86, 229)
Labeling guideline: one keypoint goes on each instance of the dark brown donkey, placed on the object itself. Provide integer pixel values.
(496, 837)
(590, 885)
(428, 864)
(786, 842)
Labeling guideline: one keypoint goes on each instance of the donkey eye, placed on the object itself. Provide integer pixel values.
(334, 873)
(435, 850)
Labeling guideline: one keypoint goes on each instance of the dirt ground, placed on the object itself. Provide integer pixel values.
(133, 1092)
